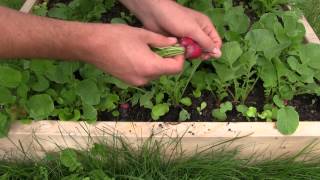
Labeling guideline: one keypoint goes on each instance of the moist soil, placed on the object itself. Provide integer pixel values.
(307, 106)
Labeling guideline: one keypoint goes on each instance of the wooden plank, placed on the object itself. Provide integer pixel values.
(311, 36)
(256, 137)
(27, 6)
(262, 137)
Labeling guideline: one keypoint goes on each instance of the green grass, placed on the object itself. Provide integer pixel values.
(119, 160)
(15, 4)
(311, 9)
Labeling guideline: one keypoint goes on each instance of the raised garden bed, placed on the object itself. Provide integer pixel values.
(262, 137)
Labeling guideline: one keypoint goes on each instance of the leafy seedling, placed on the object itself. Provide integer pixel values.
(184, 115)
(220, 113)
(159, 110)
(186, 101)
(202, 106)
(267, 115)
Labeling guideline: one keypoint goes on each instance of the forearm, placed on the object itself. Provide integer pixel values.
(140, 8)
(28, 36)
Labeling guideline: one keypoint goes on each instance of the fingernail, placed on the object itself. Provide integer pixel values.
(217, 52)
(172, 39)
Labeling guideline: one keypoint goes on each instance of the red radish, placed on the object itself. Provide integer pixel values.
(193, 50)
(124, 106)
(186, 46)
(285, 102)
(186, 41)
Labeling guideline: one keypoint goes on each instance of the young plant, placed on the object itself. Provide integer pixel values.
(202, 106)
(221, 113)
(287, 117)
(184, 115)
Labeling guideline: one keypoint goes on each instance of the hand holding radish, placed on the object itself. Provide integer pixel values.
(169, 18)
(124, 52)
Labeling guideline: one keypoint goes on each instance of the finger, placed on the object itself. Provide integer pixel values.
(158, 30)
(170, 66)
(206, 43)
(158, 40)
(211, 31)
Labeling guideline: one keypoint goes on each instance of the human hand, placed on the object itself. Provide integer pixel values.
(168, 17)
(125, 53)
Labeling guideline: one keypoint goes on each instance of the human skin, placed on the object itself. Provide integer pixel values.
(119, 50)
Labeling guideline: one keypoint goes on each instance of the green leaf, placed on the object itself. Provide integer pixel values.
(145, 100)
(41, 9)
(198, 79)
(68, 115)
(9, 77)
(159, 110)
(90, 71)
(309, 54)
(159, 98)
(63, 72)
(115, 113)
(22, 91)
(40, 106)
(201, 6)
(203, 105)
(251, 112)
(224, 72)
(277, 101)
(267, 73)
(184, 115)
(117, 20)
(41, 84)
(68, 96)
(69, 159)
(266, 114)
(237, 20)
(226, 106)
(4, 125)
(217, 16)
(89, 92)
(249, 59)
(41, 66)
(219, 115)
(196, 93)
(186, 101)
(287, 120)
(231, 51)
(110, 102)
(242, 109)
(6, 96)
(60, 11)
(120, 84)
(262, 40)
(89, 113)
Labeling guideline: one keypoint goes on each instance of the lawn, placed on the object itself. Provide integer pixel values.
(119, 160)
(311, 9)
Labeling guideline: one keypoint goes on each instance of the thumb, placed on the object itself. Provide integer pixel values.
(171, 66)
(206, 43)
(158, 40)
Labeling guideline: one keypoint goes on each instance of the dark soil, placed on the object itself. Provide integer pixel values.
(308, 106)
(106, 17)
